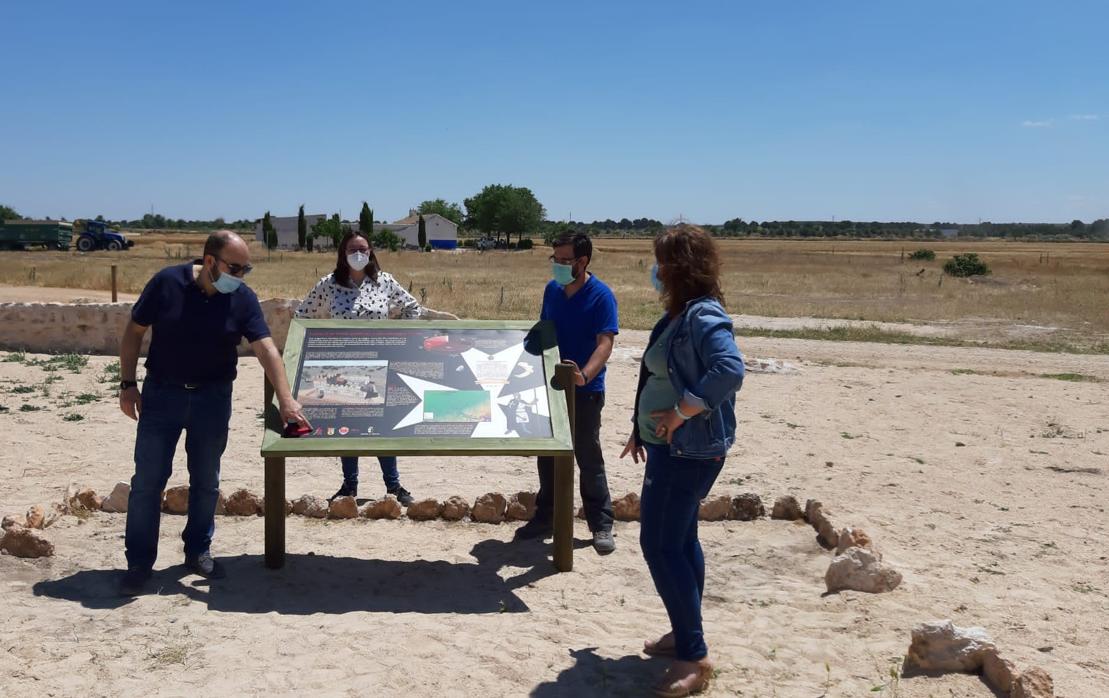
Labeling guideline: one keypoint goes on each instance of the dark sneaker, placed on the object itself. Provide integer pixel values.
(535, 528)
(403, 496)
(205, 566)
(349, 489)
(604, 542)
(133, 581)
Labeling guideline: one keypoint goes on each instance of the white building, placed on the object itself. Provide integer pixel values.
(286, 227)
(442, 233)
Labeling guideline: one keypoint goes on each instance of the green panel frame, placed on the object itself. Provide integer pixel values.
(274, 445)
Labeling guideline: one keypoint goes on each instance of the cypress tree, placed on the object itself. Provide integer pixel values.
(302, 229)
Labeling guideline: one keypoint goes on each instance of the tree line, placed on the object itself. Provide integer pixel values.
(501, 211)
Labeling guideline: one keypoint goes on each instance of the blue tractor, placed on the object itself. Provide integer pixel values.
(96, 235)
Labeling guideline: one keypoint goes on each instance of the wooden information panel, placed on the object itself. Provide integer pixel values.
(411, 388)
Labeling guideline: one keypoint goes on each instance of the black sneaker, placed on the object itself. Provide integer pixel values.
(349, 489)
(403, 496)
(205, 566)
(535, 528)
(133, 581)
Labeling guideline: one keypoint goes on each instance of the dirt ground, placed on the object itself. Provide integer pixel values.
(981, 480)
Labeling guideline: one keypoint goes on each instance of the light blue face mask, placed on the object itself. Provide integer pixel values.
(655, 281)
(563, 273)
(227, 283)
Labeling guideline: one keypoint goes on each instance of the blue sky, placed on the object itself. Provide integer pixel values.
(863, 110)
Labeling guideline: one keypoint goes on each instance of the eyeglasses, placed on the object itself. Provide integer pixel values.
(559, 260)
(239, 270)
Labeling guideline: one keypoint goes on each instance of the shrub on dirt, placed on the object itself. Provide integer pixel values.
(966, 265)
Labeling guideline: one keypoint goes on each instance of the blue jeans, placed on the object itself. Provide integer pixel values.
(389, 472)
(673, 488)
(167, 409)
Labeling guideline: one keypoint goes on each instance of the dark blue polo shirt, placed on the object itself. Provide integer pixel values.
(578, 320)
(195, 336)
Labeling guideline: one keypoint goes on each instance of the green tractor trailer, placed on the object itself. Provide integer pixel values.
(19, 235)
(85, 235)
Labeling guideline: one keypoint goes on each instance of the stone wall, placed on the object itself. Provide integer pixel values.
(95, 328)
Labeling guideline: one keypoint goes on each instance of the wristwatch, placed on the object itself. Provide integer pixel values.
(678, 410)
(124, 385)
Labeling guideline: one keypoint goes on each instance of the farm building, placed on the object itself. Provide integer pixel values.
(286, 227)
(442, 233)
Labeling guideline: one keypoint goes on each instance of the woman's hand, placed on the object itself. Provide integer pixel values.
(635, 449)
(666, 423)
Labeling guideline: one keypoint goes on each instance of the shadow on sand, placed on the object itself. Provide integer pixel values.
(593, 675)
(325, 584)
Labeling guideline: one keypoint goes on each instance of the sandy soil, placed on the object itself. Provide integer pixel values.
(984, 483)
(47, 294)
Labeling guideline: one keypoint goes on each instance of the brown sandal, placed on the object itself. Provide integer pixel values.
(696, 682)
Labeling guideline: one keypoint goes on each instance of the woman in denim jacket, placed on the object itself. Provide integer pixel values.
(684, 423)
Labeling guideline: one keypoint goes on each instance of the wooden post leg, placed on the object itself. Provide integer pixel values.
(274, 498)
(564, 481)
(275, 513)
(564, 513)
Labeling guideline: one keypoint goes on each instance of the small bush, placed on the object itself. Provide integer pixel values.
(29, 408)
(525, 244)
(16, 357)
(73, 417)
(966, 265)
(927, 255)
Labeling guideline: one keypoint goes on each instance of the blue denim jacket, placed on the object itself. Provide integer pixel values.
(706, 369)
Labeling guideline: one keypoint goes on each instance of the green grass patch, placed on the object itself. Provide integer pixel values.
(110, 374)
(29, 408)
(73, 417)
(1071, 377)
(86, 398)
(72, 363)
(23, 389)
(15, 357)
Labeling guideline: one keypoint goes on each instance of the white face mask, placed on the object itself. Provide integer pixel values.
(358, 260)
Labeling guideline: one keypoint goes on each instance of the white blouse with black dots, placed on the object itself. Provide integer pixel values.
(373, 301)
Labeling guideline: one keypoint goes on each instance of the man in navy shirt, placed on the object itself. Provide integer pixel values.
(583, 310)
(199, 313)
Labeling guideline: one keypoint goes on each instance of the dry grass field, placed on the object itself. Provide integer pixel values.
(1057, 288)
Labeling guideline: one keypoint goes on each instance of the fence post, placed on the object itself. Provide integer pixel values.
(115, 296)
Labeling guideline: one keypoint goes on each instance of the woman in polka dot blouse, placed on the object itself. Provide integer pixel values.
(359, 289)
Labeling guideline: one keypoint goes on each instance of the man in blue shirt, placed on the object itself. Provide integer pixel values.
(583, 311)
(199, 313)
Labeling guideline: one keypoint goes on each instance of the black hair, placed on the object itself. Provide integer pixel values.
(583, 246)
(216, 242)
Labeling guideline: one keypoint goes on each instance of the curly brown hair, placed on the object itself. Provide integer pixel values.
(688, 266)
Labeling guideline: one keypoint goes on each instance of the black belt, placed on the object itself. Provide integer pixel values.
(196, 385)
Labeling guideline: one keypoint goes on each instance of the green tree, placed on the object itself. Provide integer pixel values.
(445, 209)
(421, 234)
(504, 209)
(329, 229)
(385, 240)
(302, 229)
(366, 219)
(8, 213)
(269, 233)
